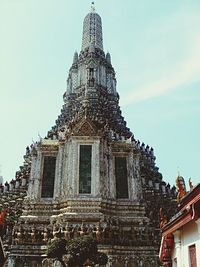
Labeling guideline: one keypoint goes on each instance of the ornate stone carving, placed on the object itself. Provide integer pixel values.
(90, 115)
(85, 128)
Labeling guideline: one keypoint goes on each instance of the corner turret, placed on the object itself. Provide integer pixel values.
(75, 58)
(108, 58)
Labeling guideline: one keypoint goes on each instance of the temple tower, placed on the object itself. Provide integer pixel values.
(89, 175)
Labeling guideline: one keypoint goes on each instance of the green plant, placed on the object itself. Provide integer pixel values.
(56, 248)
(79, 252)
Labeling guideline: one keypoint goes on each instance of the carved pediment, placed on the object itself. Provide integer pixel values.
(91, 64)
(85, 128)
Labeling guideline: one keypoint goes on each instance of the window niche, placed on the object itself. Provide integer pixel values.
(91, 77)
(192, 255)
(48, 178)
(85, 161)
(121, 177)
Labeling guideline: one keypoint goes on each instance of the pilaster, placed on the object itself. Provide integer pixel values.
(198, 242)
(198, 225)
(177, 246)
(58, 184)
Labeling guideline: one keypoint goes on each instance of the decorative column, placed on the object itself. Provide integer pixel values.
(177, 246)
(131, 181)
(137, 181)
(112, 175)
(95, 168)
(58, 188)
(34, 181)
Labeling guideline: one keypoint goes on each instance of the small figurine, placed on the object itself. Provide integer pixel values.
(163, 219)
(180, 185)
(190, 184)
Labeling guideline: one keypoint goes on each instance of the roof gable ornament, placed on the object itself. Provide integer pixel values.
(91, 64)
(85, 128)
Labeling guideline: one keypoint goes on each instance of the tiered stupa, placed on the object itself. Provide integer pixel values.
(90, 176)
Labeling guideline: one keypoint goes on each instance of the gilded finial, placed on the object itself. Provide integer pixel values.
(190, 184)
(92, 7)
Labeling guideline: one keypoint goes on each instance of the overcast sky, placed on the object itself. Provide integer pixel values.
(155, 50)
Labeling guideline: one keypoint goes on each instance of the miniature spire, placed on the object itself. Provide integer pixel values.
(108, 58)
(75, 58)
(92, 7)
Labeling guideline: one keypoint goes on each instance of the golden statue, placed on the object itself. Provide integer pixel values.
(180, 185)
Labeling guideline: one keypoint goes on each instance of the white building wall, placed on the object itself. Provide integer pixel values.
(187, 236)
(34, 188)
(198, 242)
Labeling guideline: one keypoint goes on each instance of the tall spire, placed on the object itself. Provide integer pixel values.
(91, 85)
(92, 30)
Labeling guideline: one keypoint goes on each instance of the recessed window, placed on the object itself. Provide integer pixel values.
(192, 256)
(48, 178)
(85, 169)
(121, 177)
(91, 72)
(91, 77)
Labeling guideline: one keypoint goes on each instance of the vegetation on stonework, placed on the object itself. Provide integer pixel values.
(56, 248)
(78, 252)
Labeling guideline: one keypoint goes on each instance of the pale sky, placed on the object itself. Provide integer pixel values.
(154, 46)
